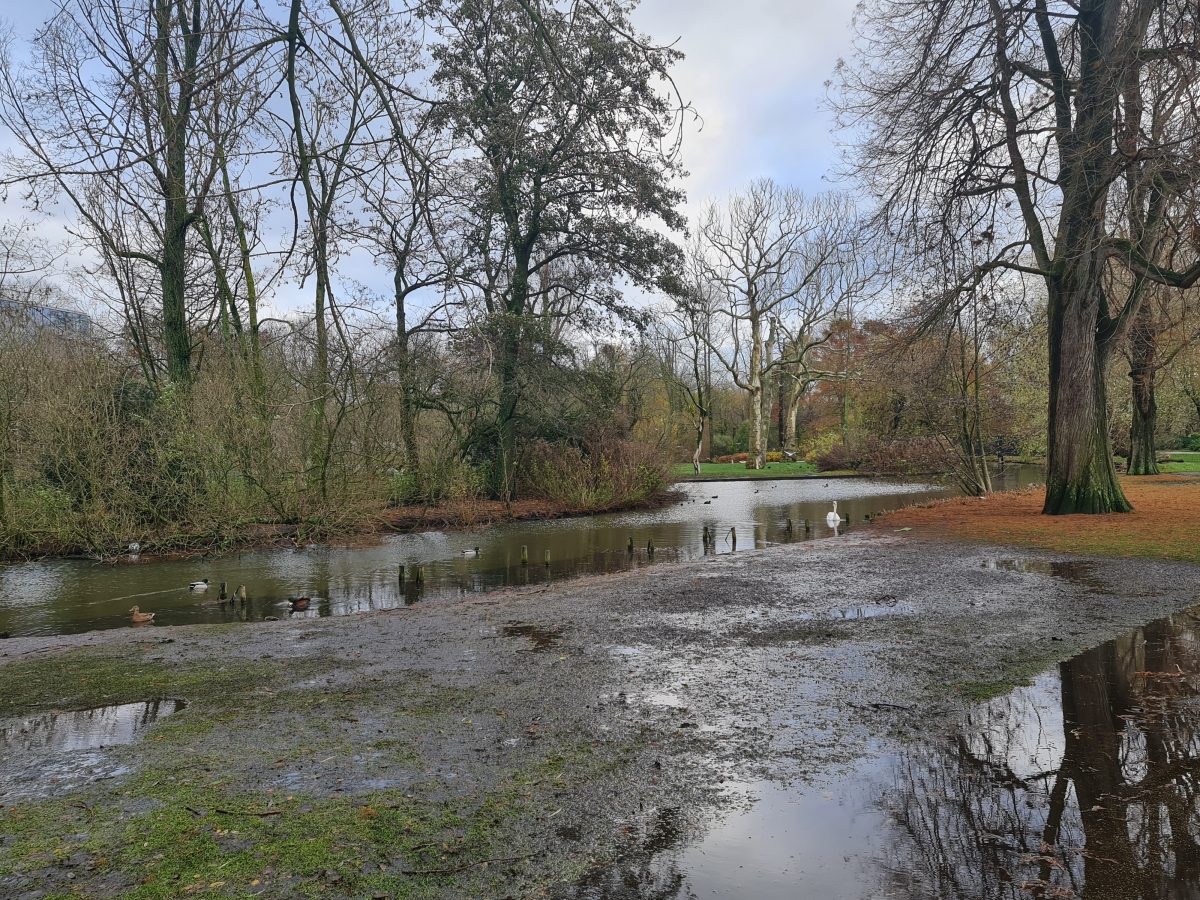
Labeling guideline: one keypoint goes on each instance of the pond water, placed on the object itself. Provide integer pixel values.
(67, 596)
(1086, 784)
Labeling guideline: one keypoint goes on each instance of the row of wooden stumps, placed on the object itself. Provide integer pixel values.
(525, 556)
(416, 574)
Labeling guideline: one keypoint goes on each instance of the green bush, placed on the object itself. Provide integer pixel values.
(594, 478)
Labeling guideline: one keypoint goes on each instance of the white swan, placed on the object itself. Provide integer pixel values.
(832, 518)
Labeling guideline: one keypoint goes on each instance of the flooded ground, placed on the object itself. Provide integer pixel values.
(788, 723)
(63, 747)
(72, 596)
(1084, 784)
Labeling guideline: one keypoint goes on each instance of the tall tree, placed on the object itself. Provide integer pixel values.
(571, 159)
(1047, 137)
(107, 113)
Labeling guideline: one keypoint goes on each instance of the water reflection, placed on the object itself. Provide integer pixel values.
(66, 596)
(1085, 784)
(84, 729)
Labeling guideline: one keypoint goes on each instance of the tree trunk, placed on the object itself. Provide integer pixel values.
(408, 430)
(174, 304)
(1080, 476)
(509, 366)
(1143, 457)
(795, 392)
(755, 459)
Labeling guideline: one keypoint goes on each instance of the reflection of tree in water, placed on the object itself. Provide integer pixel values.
(642, 872)
(1093, 792)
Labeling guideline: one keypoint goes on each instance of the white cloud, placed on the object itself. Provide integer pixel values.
(755, 71)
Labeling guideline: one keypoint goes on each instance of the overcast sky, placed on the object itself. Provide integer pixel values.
(755, 71)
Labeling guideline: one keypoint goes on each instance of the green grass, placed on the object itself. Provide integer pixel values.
(1189, 461)
(685, 471)
(182, 824)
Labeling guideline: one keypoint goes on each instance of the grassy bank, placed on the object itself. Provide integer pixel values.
(1163, 525)
(687, 472)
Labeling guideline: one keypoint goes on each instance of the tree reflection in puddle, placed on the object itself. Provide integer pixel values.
(1085, 784)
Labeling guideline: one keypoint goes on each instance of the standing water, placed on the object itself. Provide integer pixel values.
(69, 596)
(1085, 784)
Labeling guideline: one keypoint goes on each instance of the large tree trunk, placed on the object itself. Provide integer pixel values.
(1143, 457)
(756, 458)
(1080, 476)
(795, 393)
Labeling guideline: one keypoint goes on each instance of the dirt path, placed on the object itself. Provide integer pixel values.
(501, 746)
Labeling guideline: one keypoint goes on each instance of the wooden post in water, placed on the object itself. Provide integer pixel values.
(733, 537)
(402, 574)
(789, 526)
(524, 554)
(223, 594)
(547, 559)
(650, 548)
(630, 547)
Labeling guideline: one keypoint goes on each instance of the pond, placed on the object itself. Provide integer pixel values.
(68, 596)
(1084, 784)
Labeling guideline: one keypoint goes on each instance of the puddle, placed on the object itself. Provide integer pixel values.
(886, 606)
(58, 752)
(1073, 570)
(84, 729)
(540, 638)
(1085, 784)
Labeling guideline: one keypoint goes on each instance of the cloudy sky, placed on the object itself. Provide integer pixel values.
(755, 71)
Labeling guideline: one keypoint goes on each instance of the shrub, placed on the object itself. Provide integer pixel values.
(872, 456)
(595, 477)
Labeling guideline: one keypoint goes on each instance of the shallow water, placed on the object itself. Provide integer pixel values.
(1085, 784)
(67, 596)
(64, 749)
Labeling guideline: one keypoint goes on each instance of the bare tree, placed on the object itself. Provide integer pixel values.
(765, 258)
(1023, 134)
(107, 113)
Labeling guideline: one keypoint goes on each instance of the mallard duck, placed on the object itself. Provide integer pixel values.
(473, 552)
(201, 585)
(299, 603)
(139, 617)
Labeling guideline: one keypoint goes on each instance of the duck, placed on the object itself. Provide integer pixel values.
(299, 603)
(472, 552)
(201, 585)
(832, 518)
(241, 594)
(139, 617)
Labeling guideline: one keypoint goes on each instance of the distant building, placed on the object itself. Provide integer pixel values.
(22, 314)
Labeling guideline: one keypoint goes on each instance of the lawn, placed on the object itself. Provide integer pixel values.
(684, 471)
(1189, 461)
(1163, 525)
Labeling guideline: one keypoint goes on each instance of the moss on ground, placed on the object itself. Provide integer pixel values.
(197, 817)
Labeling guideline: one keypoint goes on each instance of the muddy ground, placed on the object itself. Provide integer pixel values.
(509, 744)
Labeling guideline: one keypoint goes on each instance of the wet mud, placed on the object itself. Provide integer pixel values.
(743, 725)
